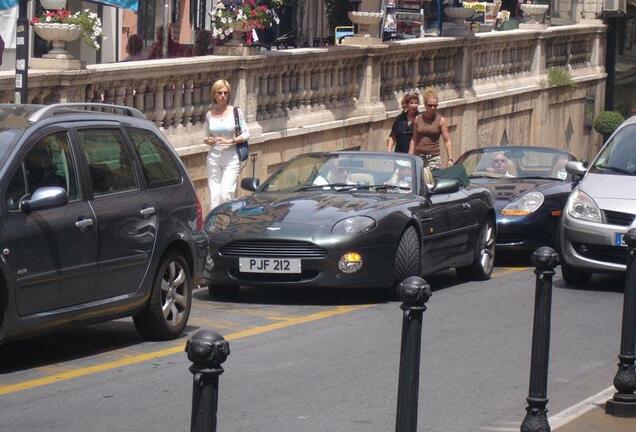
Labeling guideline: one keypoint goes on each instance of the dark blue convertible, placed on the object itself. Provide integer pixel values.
(531, 187)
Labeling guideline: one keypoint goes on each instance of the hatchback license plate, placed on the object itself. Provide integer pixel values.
(269, 265)
(619, 239)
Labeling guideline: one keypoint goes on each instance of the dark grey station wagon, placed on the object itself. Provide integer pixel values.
(98, 220)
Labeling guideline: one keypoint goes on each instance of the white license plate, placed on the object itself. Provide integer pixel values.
(619, 239)
(269, 265)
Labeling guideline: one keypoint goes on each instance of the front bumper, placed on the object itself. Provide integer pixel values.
(591, 246)
(376, 271)
(526, 233)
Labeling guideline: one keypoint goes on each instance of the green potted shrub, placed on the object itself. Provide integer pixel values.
(606, 122)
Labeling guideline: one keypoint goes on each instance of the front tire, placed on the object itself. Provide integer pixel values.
(481, 267)
(574, 276)
(166, 315)
(408, 261)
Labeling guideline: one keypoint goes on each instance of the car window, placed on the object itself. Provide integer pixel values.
(48, 163)
(109, 161)
(157, 163)
(618, 156)
(386, 173)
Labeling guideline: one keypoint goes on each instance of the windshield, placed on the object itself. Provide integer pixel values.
(618, 156)
(517, 162)
(340, 172)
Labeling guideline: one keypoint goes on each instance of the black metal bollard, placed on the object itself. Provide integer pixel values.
(624, 402)
(545, 260)
(207, 350)
(414, 292)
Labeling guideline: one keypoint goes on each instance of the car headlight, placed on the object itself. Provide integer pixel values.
(581, 206)
(524, 205)
(354, 225)
(217, 222)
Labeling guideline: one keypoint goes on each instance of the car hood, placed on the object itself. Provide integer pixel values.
(611, 192)
(609, 186)
(506, 190)
(302, 213)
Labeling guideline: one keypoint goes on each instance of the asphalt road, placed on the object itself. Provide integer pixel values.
(313, 361)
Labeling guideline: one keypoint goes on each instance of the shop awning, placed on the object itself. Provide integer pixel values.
(8, 4)
(124, 4)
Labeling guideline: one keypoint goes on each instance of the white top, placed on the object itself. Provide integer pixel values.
(224, 126)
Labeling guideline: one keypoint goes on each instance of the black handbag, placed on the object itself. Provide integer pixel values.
(241, 148)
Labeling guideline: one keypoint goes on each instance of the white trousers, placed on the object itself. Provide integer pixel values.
(223, 170)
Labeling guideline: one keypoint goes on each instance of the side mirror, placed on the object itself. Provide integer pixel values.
(575, 168)
(250, 183)
(44, 198)
(445, 186)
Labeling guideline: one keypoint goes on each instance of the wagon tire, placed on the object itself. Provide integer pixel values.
(168, 309)
(408, 261)
(484, 257)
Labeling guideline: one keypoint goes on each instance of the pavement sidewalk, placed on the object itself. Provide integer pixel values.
(596, 420)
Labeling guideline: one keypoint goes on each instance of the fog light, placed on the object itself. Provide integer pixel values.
(209, 262)
(350, 262)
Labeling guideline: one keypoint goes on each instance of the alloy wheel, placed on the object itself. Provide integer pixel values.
(174, 299)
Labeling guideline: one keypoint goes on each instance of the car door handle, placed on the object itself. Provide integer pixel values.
(466, 206)
(147, 211)
(426, 220)
(84, 223)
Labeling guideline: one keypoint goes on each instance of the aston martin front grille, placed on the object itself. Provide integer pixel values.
(273, 248)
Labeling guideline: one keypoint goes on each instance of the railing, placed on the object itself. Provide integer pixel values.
(281, 91)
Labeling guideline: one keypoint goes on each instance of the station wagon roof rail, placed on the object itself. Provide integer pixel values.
(53, 109)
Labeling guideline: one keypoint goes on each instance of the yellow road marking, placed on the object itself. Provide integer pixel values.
(508, 270)
(174, 349)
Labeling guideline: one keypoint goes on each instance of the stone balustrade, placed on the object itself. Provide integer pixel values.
(302, 91)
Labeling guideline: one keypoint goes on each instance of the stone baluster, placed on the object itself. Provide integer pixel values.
(334, 87)
(342, 96)
(279, 95)
(138, 98)
(120, 93)
(321, 73)
(109, 94)
(271, 94)
(197, 105)
(206, 97)
(168, 103)
(286, 90)
(188, 107)
(129, 94)
(179, 109)
(305, 79)
(261, 104)
(157, 94)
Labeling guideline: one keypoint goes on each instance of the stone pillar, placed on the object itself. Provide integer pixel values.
(369, 96)
(464, 76)
(539, 57)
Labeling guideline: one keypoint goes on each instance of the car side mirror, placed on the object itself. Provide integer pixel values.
(445, 186)
(575, 168)
(44, 198)
(250, 183)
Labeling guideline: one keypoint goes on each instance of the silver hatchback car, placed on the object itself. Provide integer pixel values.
(600, 209)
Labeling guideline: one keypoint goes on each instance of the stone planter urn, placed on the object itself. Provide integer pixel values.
(457, 15)
(536, 13)
(53, 4)
(367, 22)
(58, 34)
(456, 26)
(236, 45)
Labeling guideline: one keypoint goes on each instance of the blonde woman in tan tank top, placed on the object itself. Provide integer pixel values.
(427, 129)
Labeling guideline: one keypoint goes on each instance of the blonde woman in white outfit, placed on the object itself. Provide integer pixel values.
(223, 161)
